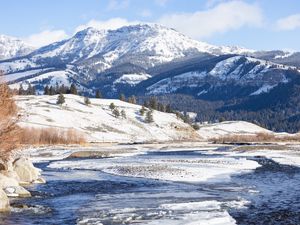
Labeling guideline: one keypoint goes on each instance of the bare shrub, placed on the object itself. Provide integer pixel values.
(259, 137)
(9, 131)
(50, 136)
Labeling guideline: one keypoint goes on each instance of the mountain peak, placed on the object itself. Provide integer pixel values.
(11, 47)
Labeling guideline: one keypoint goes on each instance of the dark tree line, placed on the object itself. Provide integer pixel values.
(60, 89)
(153, 103)
(132, 99)
(30, 90)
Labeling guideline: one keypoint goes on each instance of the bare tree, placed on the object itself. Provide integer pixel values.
(9, 131)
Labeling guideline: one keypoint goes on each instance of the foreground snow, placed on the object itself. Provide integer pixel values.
(97, 122)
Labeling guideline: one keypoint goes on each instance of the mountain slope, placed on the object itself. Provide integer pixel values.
(98, 123)
(211, 78)
(12, 47)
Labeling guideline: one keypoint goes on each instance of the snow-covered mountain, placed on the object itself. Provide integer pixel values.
(145, 59)
(253, 75)
(94, 51)
(11, 47)
(149, 59)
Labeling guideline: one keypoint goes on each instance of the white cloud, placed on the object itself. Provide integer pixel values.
(291, 22)
(117, 4)
(161, 2)
(45, 37)
(219, 19)
(110, 24)
(210, 3)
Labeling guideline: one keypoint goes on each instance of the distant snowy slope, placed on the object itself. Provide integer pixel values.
(224, 129)
(11, 47)
(97, 122)
(254, 76)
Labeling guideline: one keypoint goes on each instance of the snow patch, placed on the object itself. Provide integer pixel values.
(132, 79)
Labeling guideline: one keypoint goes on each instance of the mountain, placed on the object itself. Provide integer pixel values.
(149, 59)
(281, 57)
(92, 55)
(220, 78)
(11, 47)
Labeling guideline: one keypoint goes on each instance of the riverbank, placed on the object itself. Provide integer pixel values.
(15, 176)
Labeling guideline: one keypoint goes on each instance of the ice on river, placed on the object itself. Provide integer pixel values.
(167, 167)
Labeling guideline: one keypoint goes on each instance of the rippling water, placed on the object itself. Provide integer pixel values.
(268, 195)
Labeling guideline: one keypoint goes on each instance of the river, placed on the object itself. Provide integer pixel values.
(205, 186)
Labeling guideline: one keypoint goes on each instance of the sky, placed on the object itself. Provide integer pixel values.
(253, 24)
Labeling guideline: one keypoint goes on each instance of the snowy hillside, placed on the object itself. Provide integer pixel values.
(97, 122)
(11, 47)
(260, 75)
(217, 130)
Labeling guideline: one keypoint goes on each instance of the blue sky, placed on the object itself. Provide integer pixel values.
(254, 24)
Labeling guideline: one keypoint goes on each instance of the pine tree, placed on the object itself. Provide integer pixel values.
(98, 94)
(168, 108)
(123, 114)
(60, 99)
(142, 110)
(146, 104)
(56, 90)
(153, 102)
(73, 89)
(221, 119)
(62, 89)
(149, 117)
(87, 101)
(116, 112)
(30, 90)
(33, 90)
(46, 90)
(132, 99)
(122, 97)
(112, 106)
(21, 90)
(186, 118)
(161, 107)
(51, 91)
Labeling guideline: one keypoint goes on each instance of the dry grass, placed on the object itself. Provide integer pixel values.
(9, 131)
(259, 137)
(50, 136)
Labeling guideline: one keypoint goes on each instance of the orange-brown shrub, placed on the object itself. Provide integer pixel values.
(50, 136)
(259, 137)
(9, 131)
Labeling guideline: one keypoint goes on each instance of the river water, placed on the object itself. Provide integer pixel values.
(93, 191)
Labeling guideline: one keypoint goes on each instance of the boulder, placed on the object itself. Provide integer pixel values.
(25, 170)
(40, 180)
(17, 191)
(7, 182)
(4, 202)
(10, 174)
